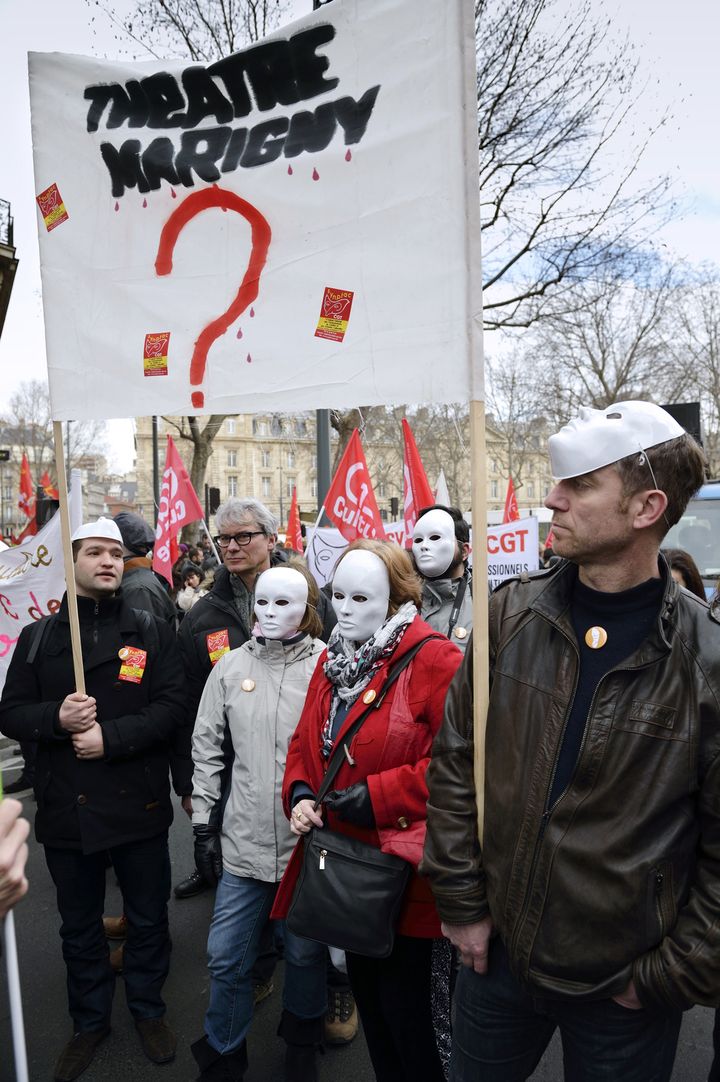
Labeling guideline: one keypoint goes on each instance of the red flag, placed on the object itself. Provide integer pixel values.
(178, 505)
(350, 502)
(417, 491)
(47, 485)
(511, 508)
(549, 539)
(293, 538)
(26, 503)
(29, 531)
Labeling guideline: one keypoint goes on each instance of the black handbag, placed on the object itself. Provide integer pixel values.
(348, 893)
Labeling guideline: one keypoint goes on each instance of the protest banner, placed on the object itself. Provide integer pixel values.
(325, 545)
(350, 501)
(512, 548)
(178, 506)
(510, 511)
(32, 580)
(293, 539)
(416, 487)
(242, 237)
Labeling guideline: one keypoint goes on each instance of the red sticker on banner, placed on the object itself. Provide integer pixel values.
(334, 314)
(52, 207)
(155, 354)
(218, 643)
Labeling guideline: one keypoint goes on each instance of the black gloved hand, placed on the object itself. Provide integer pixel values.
(352, 805)
(208, 852)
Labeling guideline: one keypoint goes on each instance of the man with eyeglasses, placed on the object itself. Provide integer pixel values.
(223, 619)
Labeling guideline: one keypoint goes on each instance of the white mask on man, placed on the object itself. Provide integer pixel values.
(434, 544)
(360, 595)
(281, 596)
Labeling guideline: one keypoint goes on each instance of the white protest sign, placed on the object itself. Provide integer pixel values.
(32, 579)
(325, 545)
(512, 548)
(290, 227)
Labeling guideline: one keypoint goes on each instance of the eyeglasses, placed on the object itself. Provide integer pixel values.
(241, 539)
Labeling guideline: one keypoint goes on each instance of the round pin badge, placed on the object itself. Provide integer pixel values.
(596, 637)
(248, 685)
(461, 632)
(123, 652)
(369, 697)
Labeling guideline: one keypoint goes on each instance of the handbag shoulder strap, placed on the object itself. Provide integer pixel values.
(338, 754)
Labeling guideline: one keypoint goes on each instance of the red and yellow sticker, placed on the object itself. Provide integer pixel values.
(218, 643)
(133, 664)
(155, 354)
(334, 314)
(52, 207)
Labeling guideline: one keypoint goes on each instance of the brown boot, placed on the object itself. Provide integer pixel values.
(158, 1041)
(115, 927)
(78, 1053)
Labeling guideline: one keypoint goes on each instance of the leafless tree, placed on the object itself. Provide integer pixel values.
(28, 425)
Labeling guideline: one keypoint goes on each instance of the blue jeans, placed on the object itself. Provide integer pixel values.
(500, 1032)
(242, 910)
(143, 872)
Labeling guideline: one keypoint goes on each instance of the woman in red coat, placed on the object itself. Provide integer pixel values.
(380, 793)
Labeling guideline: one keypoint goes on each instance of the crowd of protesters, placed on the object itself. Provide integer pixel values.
(578, 889)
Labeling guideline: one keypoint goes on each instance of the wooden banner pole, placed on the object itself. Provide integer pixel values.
(481, 674)
(68, 559)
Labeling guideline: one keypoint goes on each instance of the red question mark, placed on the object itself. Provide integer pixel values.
(250, 285)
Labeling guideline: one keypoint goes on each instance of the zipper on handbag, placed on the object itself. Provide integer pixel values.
(323, 854)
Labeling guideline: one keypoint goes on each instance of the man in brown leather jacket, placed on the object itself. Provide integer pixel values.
(593, 903)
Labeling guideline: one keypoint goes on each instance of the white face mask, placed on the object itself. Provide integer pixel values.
(434, 544)
(280, 602)
(360, 595)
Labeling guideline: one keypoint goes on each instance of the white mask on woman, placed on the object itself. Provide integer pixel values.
(281, 596)
(434, 544)
(360, 595)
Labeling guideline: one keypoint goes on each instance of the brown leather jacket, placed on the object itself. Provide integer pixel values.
(622, 878)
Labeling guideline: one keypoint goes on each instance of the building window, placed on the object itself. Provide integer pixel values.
(314, 460)
(260, 428)
(381, 489)
(531, 490)
(301, 428)
(493, 490)
(291, 460)
(291, 482)
(230, 426)
(9, 492)
(265, 459)
(266, 486)
(232, 458)
(313, 488)
(232, 484)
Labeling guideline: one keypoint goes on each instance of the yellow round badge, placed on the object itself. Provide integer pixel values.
(595, 637)
(123, 652)
(369, 697)
(461, 632)
(248, 685)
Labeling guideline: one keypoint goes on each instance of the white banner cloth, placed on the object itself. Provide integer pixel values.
(512, 548)
(292, 227)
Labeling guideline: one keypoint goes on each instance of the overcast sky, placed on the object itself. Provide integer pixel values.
(679, 48)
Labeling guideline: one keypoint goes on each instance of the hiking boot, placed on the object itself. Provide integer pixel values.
(115, 927)
(217, 1068)
(194, 884)
(117, 958)
(341, 1020)
(261, 991)
(78, 1053)
(157, 1039)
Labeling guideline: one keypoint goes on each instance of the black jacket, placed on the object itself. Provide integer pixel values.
(125, 796)
(216, 612)
(141, 589)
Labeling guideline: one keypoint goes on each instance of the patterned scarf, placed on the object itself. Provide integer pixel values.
(350, 670)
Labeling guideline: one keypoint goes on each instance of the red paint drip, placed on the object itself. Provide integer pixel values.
(252, 313)
(239, 333)
(348, 156)
(117, 205)
(173, 193)
(144, 202)
(248, 359)
(191, 206)
(290, 171)
(316, 175)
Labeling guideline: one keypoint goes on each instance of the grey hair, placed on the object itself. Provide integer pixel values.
(234, 510)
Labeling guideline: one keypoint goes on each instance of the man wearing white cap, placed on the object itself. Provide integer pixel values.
(593, 902)
(102, 788)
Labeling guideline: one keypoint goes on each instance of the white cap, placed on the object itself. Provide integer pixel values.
(103, 527)
(598, 437)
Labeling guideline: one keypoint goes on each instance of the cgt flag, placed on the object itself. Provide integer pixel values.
(417, 491)
(26, 502)
(511, 513)
(178, 506)
(293, 539)
(350, 502)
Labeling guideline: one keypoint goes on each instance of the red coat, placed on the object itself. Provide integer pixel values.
(391, 753)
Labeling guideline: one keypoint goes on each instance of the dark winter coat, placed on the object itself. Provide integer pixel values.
(142, 589)
(125, 796)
